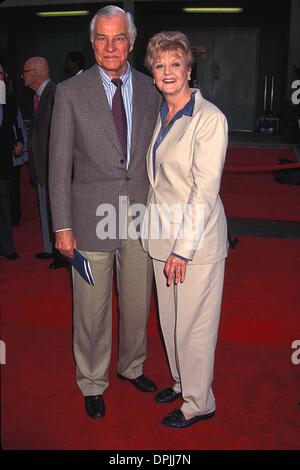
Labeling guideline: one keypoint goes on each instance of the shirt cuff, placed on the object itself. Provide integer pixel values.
(180, 257)
(63, 229)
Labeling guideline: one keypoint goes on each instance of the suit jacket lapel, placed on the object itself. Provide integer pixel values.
(138, 110)
(98, 100)
(40, 103)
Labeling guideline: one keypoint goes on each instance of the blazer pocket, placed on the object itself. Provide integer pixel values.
(175, 216)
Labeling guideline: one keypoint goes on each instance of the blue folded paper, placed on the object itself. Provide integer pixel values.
(82, 266)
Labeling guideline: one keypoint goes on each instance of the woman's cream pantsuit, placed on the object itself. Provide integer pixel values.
(185, 216)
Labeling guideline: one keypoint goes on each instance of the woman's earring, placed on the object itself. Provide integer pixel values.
(189, 77)
(153, 80)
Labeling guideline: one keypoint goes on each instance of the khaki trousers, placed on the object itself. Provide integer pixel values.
(93, 315)
(189, 316)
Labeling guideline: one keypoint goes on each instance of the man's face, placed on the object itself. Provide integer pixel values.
(1, 73)
(29, 74)
(111, 44)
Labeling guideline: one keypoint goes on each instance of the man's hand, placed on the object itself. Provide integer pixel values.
(175, 268)
(65, 243)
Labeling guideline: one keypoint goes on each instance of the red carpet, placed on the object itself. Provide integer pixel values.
(257, 387)
(258, 196)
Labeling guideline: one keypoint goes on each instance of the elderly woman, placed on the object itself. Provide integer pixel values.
(185, 230)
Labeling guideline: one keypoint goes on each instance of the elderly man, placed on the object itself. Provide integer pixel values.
(102, 123)
(36, 77)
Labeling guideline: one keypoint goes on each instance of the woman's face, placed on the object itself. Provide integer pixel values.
(171, 72)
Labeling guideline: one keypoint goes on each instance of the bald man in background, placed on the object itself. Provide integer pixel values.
(36, 76)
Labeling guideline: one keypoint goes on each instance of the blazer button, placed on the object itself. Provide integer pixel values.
(122, 161)
(128, 178)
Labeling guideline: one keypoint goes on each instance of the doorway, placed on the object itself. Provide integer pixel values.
(226, 72)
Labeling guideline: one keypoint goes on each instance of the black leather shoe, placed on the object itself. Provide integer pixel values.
(59, 263)
(167, 395)
(44, 255)
(12, 256)
(176, 419)
(94, 406)
(142, 383)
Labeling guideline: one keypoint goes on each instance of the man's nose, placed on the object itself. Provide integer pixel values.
(110, 45)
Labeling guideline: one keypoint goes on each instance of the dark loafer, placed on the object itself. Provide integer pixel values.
(12, 256)
(94, 406)
(59, 263)
(44, 255)
(176, 419)
(142, 383)
(167, 395)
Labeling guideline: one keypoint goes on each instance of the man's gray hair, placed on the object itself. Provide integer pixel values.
(109, 12)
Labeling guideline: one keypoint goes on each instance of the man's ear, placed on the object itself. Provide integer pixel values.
(131, 46)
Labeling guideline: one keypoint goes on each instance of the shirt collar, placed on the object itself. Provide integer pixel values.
(186, 111)
(42, 87)
(106, 78)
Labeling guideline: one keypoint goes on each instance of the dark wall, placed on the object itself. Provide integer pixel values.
(272, 23)
(23, 34)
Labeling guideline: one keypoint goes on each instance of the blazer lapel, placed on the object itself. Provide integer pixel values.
(98, 100)
(174, 134)
(149, 158)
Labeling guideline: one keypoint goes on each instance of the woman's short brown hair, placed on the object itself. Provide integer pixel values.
(168, 41)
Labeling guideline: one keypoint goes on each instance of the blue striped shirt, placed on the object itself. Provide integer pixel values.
(126, 90)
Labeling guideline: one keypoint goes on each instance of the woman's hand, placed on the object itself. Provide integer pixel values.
(175, 268)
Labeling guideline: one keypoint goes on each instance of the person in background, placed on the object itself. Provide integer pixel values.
(11, 142)
(18, 162)
(36, 77)
(74, 64)
(102, 124)
(185, 230)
